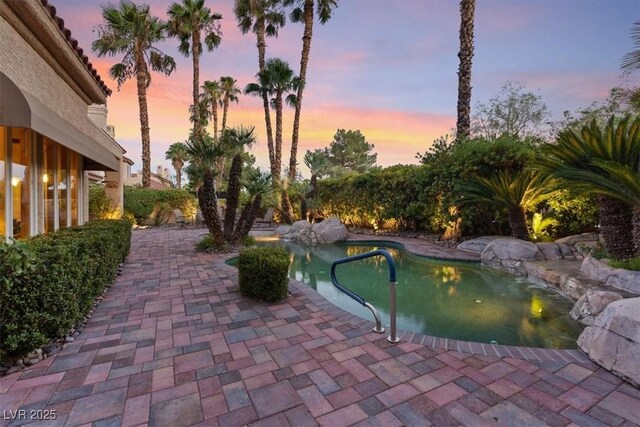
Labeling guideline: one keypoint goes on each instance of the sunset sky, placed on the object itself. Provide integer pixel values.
(385, 67)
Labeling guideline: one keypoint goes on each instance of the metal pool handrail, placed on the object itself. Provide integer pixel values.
(392, 290)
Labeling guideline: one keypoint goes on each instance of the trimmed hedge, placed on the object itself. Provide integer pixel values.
(141, 203)
(264, 273)
(49, 282)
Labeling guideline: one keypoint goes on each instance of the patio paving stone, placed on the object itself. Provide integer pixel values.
(174, 343)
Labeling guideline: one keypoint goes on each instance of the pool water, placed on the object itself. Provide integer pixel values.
(459, 300)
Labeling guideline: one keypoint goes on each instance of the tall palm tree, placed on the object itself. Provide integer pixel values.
(514, 191)
(304, 12)
(236, 139)
(467, 9)
(230, 93)
(573, 155)
(264, 18)
(277, 79)
(212, 93)
(177, 153)
(191, 22)
(203, 154)
(131, 31)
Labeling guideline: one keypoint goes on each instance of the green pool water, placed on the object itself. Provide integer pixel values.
(457, 300)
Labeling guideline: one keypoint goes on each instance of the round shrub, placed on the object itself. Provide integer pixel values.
(264, 273)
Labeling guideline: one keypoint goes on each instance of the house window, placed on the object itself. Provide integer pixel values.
(3, 187)
(63, 186)
(47, 185)
(20, 181)
(74, 184)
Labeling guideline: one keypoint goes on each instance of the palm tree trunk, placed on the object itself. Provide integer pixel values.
(179, 177)
(287, 209)
(262, 47)
(248, 216)
(214, 113)
(304, 60)
(467, 9)
(224, 111)
(195, 53)
(616, 219)
(233, 195)
(276, 167)
(518, 223)
(141, 80)
(208, 202)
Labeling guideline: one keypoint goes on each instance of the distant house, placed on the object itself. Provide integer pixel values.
(53, 123)
(159, 180)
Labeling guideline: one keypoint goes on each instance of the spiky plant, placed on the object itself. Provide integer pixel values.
(513, 191)
(574, 158)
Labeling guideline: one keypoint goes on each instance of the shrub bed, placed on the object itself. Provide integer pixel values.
(264, 273)
(49, 282)
(142, 203)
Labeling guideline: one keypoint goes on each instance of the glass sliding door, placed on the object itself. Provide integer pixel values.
(20, 181)
(4, 189)
(63, 185)
(74, 186)
(47, 179)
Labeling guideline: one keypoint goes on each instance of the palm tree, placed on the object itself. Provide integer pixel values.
(203, 154)
(177, 153)
(264, 18)
(319, 165)
(258, 184)
(236, 139)
(574, 156)
(514, 191)
(230, 92)
(467, 9)
(130, 30)
(276, 79)
(189, 21)
(212, 93)
(303, 12)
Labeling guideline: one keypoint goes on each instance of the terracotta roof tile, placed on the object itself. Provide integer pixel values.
(74, 44)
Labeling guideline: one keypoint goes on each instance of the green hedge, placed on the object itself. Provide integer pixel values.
(423, 197)
(141, 203)
(264, 273)
(49, 282)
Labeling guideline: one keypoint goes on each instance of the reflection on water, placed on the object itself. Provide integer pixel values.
(449, 299)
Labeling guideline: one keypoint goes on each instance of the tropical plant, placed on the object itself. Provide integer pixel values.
(539, 226)
(513, 191)
(258, 185)
(304, 12)
(191, 22)
(578, 157)
(630, 64)
(211, 95)
(463, 126)
(264, 18)
(236, 139)
(230, 93)
(203, 154)
(131, 31)
(177, 153)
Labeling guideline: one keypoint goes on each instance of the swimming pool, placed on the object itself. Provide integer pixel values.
(458, 300)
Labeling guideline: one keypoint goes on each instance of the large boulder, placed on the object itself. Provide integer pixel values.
(554, 250)
(591, 304)
(296, 228)
(626, 280)
(330, 230)
(509, 255)
(282, 230)
(578, 238)
(596, 270)
(613, 341)
(478, 244)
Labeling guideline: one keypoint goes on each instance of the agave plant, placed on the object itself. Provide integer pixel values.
(514, 191)
(577, 157)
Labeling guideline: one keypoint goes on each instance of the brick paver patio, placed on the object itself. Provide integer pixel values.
(173, 344)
